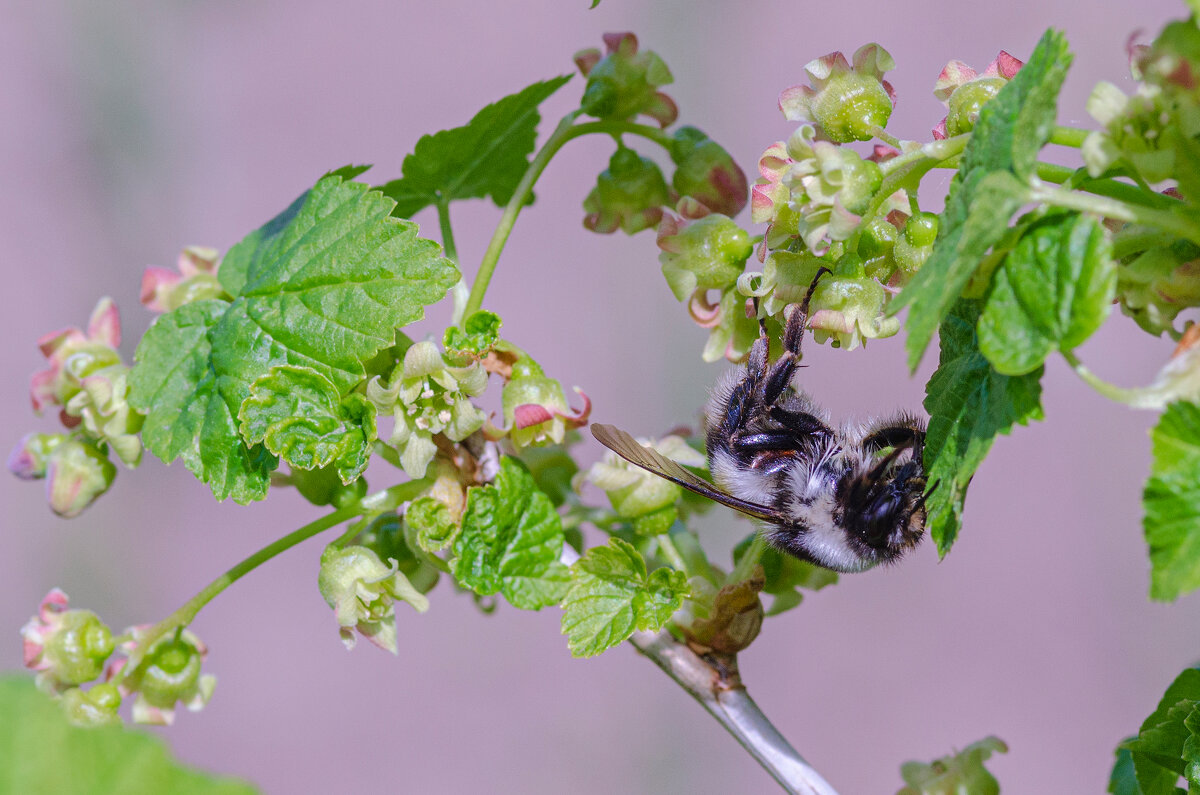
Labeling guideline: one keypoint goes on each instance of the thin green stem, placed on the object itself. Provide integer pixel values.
(1154, 396)
(185, 614)
(1117, 209)
(1112, 188)
(886, 136)
(745, 565)
(671, 553)
(443, 211)
(1069, 136)
(564, 132)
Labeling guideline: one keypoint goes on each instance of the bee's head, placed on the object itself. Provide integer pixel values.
(883, 505)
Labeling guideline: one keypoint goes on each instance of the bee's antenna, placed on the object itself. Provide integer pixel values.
(928, 494)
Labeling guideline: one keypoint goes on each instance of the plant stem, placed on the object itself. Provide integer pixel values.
(1117, 209)
(714, 682)
(443, 211)
(1151, 397)
(1112, 188)
(745, 566)
(565, 131)
(184, 615)
(1069, 136)
(671, 553)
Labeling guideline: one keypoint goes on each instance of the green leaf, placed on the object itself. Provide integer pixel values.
(478, 334)
(1123, 779)
(511, 541)
(1157, 750)
(961, 773)
(299, 416)
(348, 172)
(324, 285)
(990, 185)
(485, 157)
(1053, 291)
(611, 596)
(434, 526)
(191, 414)
(969, 403)
(552, 468)
(785, 576)
(41, 752)
(1172, 503)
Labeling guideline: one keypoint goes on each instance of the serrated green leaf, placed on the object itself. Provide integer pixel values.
(989, 186)
(511, 541)
(485, 157)
(1053, 291)
(1172, 503)
(611, 595)
(1191, 747)
(1123, 779)
(40, 752)
(299, 416)
(785, 575)
(191, 414)
(969, 403)
(348, 172)
(1156, 752)
(324, 285)
(961, 773)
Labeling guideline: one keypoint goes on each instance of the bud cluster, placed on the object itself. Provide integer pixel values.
(70, 648)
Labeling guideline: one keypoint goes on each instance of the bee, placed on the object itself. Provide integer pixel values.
(846, 498)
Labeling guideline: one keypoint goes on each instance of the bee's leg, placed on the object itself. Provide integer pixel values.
(799, 422)
(778, 441)
(780, 375)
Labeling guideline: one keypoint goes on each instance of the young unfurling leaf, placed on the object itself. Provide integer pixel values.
(611, 595)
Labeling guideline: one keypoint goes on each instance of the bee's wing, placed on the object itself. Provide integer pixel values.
(628, 448)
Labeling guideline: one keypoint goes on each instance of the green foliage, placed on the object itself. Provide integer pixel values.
(1166, 746)
(969, 403)
(611, 595)
(1053, 291)
(298, 415)
(987, 189)
(1172, 502)
(485, 157)
(478, 334)
(41, 752)
(324, 285)
(511, 541)
(431, 520)
(961, 773)
(785, 576)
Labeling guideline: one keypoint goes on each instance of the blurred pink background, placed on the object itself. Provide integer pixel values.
(134, 128)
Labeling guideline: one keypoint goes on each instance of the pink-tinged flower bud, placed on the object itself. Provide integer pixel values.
(362, 590)
(101, 405)
(96, 706)
(846, 102)
(168, 674)
(77, 473)
(701, 251)
(629, 195)
(194, 279)
(624, 83)
(635, 492)
(705, 172)
(73, 355)
(850, 310)
(732, 324)
(535, 409)
(914, 246)
(31, 456)
(964, 91)
(66, 647)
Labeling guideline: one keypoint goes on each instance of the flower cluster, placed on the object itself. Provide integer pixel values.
(70, 648)
(426, 396)
(85, 376)
(362, 590)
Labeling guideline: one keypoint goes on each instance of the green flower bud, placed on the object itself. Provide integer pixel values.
(850, 310)
(535, 409)
(361, 589)
(66, 647)
(96, 706)
(964, 91)
(705, 172)
(847, 103)
(707, 253)
(169, 673)
(31, 456)
(624, 83)
(77, 473)
(629, 195)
